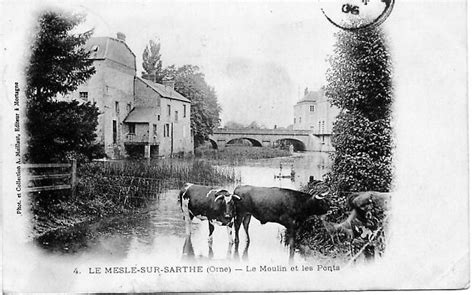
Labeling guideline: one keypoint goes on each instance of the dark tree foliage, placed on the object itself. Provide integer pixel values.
(58, 130)
(66, 131)
(152, 63)
(359, 83)
(204, 106)
(58, 62)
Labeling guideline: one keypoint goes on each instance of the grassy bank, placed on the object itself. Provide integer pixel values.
(239, 154)
(112, 188)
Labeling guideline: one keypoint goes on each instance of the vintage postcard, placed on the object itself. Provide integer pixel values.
(234, 146)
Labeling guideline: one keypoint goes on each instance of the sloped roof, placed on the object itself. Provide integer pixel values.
(313, 96)
(142, 114)
(111, 48)
(164, 91)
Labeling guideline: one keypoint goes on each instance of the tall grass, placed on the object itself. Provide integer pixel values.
(112, 188)
(239, 154)
(133, 183)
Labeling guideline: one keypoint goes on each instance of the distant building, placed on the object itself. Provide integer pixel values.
(137, 117)
(315, 113)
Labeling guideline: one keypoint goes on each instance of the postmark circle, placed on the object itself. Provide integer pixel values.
(353, 15)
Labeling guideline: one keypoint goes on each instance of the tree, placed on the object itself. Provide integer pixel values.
(255, 125)
(58, 64)
(152, 63)
(66, 132)
(205, 109)
(234, 125)
(359, 83)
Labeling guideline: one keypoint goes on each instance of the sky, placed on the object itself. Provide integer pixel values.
(259, 57)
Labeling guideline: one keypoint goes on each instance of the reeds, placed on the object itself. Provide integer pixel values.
(134, 183)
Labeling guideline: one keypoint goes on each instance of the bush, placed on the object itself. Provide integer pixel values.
(363, 154)
(359, 83)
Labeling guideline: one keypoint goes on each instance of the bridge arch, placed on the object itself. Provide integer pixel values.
(298, 145)
(213, 143)
(254, 142)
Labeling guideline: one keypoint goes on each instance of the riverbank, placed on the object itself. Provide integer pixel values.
(235, 155)
(314, 239)
(119, 188)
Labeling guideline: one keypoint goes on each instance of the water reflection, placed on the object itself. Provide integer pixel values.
(159, 233)
(231, 254)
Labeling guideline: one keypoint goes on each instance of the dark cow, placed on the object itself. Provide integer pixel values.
(287, 207)
(361, 204)
(206, 202)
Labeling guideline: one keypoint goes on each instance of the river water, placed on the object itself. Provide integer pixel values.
(159, 233)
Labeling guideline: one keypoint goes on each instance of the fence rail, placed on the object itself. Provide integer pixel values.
(52, 175)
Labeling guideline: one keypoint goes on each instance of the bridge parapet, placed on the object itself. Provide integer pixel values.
(224, 131)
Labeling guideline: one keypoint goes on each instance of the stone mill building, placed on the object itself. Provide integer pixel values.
(137, 117)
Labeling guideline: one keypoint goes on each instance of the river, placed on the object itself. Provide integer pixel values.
(158, 234)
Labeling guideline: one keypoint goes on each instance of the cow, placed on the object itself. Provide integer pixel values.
(206, 202)
(361, 205)
(287, 207)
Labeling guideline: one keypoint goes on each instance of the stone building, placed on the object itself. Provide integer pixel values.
(169, 114)
(137, 117)
(315, 113)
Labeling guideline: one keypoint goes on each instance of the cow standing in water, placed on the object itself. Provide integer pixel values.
(217, 206)
(287, 207)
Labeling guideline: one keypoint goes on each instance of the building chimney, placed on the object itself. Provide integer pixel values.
(151, 77)
(121, 36)
(169, 83)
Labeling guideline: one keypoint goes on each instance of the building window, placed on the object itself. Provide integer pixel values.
(176, 116)
(158, 117)
(184, 111)
(131, 128)
(114, 131)
(129, 107)
(155, 131)
(311, 108)
(300, 119)
(166, 130)
(84, 95)
(294, 120)
(117, 107)
(169, 110)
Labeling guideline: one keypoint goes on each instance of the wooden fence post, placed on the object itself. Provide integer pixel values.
(73, 177)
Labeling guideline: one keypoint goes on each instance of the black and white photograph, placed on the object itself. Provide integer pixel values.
(234, 146)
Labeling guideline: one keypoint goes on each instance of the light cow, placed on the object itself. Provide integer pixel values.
(217, 206)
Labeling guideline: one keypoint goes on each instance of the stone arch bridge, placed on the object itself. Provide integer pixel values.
(302, 140)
